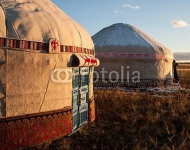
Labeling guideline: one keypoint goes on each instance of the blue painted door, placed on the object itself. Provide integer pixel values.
(80, 94)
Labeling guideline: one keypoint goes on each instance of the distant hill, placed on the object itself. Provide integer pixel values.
(182, 56)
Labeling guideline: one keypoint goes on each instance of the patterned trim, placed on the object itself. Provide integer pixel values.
(130, 83)
(132, 55)
(39, 46)
(34, 129)
(80, 60)
(91, 110)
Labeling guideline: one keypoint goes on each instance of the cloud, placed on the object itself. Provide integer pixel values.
(180, 23)
(129, 6)
(118, 12)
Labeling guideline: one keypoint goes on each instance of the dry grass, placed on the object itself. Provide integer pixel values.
(134, 121)
(184, 66)
(184, 75)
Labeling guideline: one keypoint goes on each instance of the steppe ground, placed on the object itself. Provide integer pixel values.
(136, 121)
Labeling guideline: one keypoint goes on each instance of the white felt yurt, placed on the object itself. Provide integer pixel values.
(130, 58)
(46, 68)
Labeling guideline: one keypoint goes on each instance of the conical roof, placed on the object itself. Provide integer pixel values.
(39, 20)
(124, 38)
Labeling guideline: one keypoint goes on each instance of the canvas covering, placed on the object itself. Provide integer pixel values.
(123, 45)
(26, 84)
(31, 20)
(124, 38)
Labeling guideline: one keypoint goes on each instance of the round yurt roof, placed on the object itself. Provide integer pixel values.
(124, 38)
(39, 20)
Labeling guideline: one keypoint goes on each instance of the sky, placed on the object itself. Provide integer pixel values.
(167, 21)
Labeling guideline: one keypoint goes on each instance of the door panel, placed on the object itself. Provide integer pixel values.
(83, 114)
(80, 96)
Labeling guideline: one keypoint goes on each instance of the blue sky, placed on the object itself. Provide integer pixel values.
(167, 21)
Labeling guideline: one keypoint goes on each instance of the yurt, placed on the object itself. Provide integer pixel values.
(131, 58)
(46, 73)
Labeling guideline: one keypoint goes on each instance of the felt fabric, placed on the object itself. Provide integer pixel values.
(31, 20)
(127, 53)
(3, 23)
(36, 78)
(124, 38)
(30, 82)
(34, 82)
(123, 68)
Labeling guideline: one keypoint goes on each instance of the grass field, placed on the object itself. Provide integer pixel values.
(135, 121)
(184, 75)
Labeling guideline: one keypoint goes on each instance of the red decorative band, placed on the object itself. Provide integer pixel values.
(132, 55)
(29, 130)
(130, 83)
(40, 46)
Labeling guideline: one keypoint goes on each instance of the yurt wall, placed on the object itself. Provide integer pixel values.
(148, 68)
(46, 66)
(31, 89)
